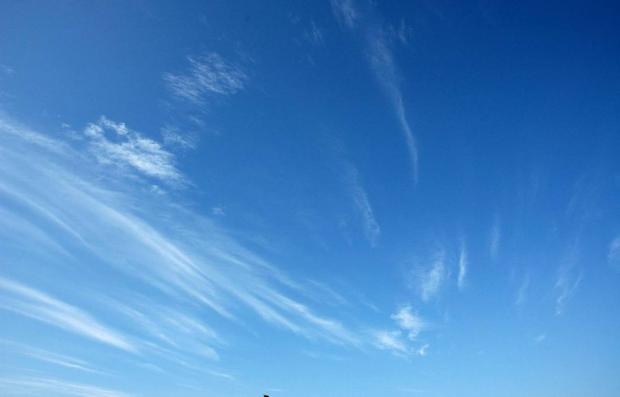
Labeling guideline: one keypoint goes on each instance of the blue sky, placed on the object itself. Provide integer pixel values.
(345, 198)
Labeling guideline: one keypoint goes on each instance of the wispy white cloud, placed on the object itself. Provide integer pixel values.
(423, 350)
(40, 306)
(382, 63)
(314, 34)
(327, 293)
(409, 321)
(495, 238)
(463, 264)
(218, 211)
(15, 225)
(372, 230)
(320, 326)
(173, 137)
(115, 144)
(401, 341)
(50, 357)
(208, 74)
(397, 343)
(392, 341)
(565, 286)
(10, 128)
(613, 255)
(222, 375)
(189, 260)
(540, 338)
(402, 33)
(50, 386)
(180, 330)
(6, 70)
(569, 277)
(521, 297)
(384, 66)
(429, 278)
(346, 12)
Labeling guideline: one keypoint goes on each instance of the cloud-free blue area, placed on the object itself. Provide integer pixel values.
(338, 198)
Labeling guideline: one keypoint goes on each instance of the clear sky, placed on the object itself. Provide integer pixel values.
(345, 198)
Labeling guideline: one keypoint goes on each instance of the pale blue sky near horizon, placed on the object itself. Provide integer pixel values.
(335, 198)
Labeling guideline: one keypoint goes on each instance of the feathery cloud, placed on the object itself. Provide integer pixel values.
(314, 35)
(565, 286)
(6, 69)
(346, 12)
(613, 255)
(384, 66)
(423, 350)
(50, 357)
(218, 211)
(50, 386)
(495, 237)
(189, 260)
(40, 306)
(174, 138)
(569, 277)
(372, 230)
(115, 144)
(522, 291)
(400, 341)
(208, 74)
(382, 63)
(408, 321)
(463, 263)
(429, 278)
(180, 330)
(391, 341)
(540, 338)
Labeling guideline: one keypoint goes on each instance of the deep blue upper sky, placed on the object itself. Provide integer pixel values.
(345, 198)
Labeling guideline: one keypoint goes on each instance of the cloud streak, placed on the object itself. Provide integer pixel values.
(208, 74)
(381, 61)
(346, 12)
(521, 297)
(565, 287)
(495, 238)
(569, 277)
(371, 227)
(463, 263)
(429, 278)
(115, 144)
(391, 341)
(409, 321)
(42, 307)
(50, 357)
(48, 386)
(613, 254)
(384, 66)
(401, 341)
(188, 261)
